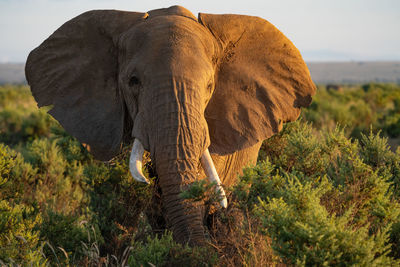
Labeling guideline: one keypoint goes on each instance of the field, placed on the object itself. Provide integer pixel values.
(325, 192)
(321, 72)
(12, 73)
(354, 72)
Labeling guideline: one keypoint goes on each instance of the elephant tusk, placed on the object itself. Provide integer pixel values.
(135, 162)
(211, 172)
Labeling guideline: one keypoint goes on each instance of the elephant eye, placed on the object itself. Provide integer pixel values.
(134, 81)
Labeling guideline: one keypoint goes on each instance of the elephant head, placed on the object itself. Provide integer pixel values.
(180, 86)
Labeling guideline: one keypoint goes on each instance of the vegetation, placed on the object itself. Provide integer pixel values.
(357, 109)
(325, 192)
(340, 210)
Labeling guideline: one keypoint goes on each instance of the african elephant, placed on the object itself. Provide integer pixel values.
(180, 86)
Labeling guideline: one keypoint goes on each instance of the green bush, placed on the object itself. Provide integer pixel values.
(67, 232)
(357, 108)
(376, 153)
(49, 178)
(20, 120)
(164, 251)
(19, 241)
(117, 201)
(350, 216)
(305, 234)
(16, 96)
(7, 162)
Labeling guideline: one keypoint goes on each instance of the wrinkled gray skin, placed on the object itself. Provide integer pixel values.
(178, 84)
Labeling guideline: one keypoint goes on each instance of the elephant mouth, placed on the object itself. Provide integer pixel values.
(135, 167)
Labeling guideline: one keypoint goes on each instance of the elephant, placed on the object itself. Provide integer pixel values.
(200, 94)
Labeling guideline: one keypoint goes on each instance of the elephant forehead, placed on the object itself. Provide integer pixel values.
(172, 31)
(172, 45)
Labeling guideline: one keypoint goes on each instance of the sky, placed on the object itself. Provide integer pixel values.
(323, 30)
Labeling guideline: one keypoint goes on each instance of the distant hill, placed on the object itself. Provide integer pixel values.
(354, 72)
(12, 73)
(321, 72)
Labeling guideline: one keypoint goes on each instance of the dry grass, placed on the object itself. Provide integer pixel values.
(236, 237)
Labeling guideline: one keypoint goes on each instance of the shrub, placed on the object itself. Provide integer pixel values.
(7, 162)
(375, 152)
(164, 251)
(20, 120)
(19, 241)
(117, 201)
(357, 108)
(312, 218)
(67, 232)
(56, 182)
(305, 234)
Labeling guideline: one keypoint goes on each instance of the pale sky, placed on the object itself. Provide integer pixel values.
(335, 30)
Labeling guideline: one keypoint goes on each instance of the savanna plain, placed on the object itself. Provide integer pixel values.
(325, 192)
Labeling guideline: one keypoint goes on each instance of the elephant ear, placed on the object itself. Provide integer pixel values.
(261, 82)
(76, 71)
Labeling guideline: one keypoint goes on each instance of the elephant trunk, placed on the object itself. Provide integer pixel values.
(184, 218)
(180, 140)
(177, 167)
